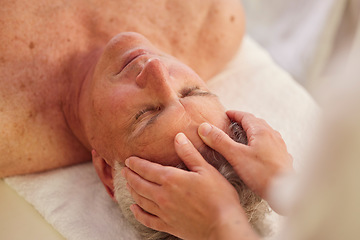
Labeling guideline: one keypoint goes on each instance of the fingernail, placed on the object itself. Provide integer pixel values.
(204, 129)
(132, 208)
(127, 162)
(181, 139)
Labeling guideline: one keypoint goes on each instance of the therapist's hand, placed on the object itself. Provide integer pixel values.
(257, 163)
(195, 204)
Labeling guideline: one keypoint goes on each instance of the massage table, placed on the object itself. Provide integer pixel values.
(71, 203)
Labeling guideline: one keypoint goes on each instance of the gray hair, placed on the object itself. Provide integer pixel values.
(255, 207)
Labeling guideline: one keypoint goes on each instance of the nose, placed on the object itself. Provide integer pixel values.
(155, 77)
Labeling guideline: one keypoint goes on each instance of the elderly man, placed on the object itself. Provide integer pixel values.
(119, 79)
(56, 95)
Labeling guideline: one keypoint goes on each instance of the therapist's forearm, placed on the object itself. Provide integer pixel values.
(234, 227)
(235, 233)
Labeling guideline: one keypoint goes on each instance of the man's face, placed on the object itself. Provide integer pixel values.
(141, 98)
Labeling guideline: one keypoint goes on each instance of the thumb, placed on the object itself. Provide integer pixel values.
(188, 153)
(221, 142)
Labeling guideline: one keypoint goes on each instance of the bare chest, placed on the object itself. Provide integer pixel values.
(38, 38)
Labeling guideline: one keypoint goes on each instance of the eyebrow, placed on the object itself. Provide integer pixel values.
(153, 119)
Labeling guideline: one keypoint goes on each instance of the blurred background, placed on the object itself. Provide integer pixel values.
(318, 43)
(311, 39)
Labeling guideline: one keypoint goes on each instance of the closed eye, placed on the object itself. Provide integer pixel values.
(185, 92)
(193, 91)
(148, 109)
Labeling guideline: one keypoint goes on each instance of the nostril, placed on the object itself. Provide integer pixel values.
(153, 60)
(154, 73)
(155, 67)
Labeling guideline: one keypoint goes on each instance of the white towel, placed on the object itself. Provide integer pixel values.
(73, 199)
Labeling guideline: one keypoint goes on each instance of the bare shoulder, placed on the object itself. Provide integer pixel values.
(34, 134)
(228, 23)
(219, 37)
(28, 146)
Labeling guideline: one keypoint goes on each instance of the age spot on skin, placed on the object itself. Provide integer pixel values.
(232, 18)
(22, 86)
(31, 45)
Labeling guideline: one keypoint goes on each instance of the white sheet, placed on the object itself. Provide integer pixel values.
(73, 199)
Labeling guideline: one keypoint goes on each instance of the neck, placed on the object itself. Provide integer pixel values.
(80, 76)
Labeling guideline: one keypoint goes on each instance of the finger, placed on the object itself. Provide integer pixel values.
(188, 153)
(145, 203)
(236, 115)
(147, 170)
(148, 220)
(251, 124)
(245, 118)
(221, 142)
(141, 186)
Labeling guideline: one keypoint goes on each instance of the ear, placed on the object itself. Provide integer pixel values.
(104, 171)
